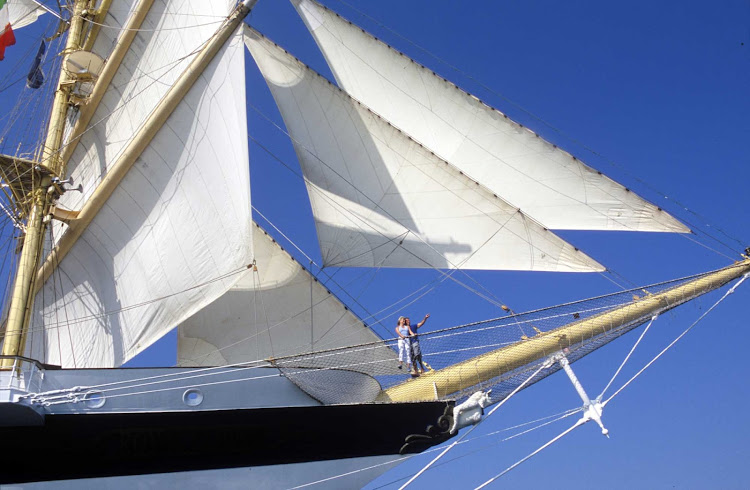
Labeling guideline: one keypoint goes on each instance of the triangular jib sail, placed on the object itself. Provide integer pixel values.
(380, 199)
(545, 182)
(277, 308)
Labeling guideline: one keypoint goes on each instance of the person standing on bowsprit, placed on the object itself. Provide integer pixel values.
(416, 350)
(404, 344)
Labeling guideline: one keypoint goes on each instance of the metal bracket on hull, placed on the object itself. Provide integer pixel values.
(17, 382)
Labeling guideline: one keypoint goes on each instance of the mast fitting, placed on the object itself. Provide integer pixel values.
(591, 410)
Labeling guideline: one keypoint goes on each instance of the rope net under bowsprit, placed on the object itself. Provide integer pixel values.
(498, 354)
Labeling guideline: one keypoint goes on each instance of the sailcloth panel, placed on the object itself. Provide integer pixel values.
(179, 219)
(22, 13)
(169, 37)
(117, 16)
(381, 199)
(544, 181)
(109, 33)
(277, 310)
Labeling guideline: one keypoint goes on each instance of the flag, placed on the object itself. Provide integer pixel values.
(7, 38)
(15, 14)
(35, 78)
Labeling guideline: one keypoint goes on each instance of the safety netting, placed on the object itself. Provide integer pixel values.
(498, 354)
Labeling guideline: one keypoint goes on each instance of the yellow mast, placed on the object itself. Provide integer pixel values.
(29, 276)
(40, 199)
(142, 138)
(129, 31)
(483, 368)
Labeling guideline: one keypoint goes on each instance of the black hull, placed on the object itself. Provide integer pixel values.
(72, 446)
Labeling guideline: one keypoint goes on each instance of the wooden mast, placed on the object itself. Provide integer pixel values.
(485, 367)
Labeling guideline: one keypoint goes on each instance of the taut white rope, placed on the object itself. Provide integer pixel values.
(552, 441)
(518, 388)
(628, 356)
(731, 290)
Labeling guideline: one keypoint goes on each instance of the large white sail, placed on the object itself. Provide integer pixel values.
(117, 16)
(178, 220)
(381, 199)
(544, 181)
(276, 309)
(170, 36)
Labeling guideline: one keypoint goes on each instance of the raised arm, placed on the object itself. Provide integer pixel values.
(419, 325)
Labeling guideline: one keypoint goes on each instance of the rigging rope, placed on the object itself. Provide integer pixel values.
(583, 420)
(544, 446)
(518, 388)
(359, 219)
(163, 29)
(433, 336)
(690, 238)
(730, 291)
(247, 365)
(321, 270)
(50, 326)
(627, 357)
(555, 418)
(451, 345)
(587, 148)
(67, 397)
(519, 170)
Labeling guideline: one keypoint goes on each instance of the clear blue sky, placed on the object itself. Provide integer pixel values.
(659, 91)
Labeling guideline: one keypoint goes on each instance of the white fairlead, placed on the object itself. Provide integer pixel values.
(591, 410)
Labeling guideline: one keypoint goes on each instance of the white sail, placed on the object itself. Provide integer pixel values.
(277, 310)
(179, 219)
(381, 199)
(117, 16)
(544, 181)
(170, 36)
(22, 13)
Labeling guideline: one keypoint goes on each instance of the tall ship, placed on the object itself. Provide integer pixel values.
(380, 190)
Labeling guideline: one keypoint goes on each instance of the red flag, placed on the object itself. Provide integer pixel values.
(14, 16)
(7, 38)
